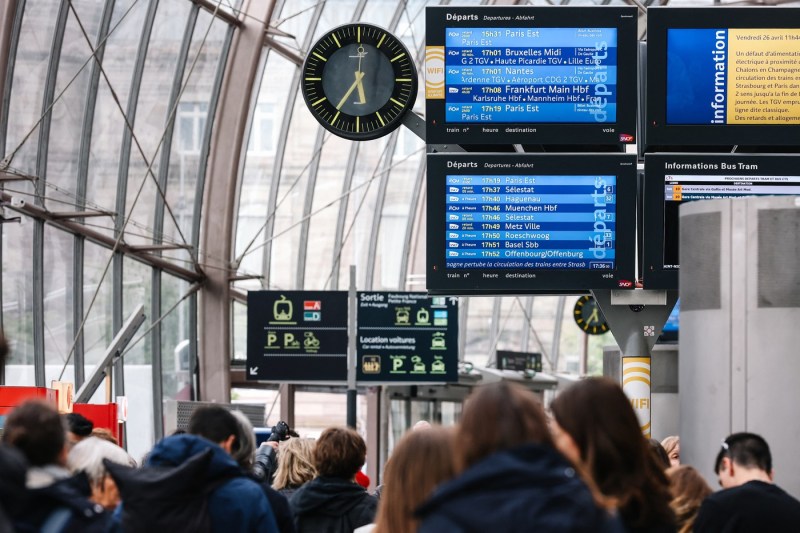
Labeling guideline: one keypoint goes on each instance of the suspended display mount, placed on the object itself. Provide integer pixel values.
(359, 81)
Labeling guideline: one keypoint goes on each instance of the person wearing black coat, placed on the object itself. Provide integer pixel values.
(52, 499)
(530, 487)
(510, 476)
(333, 502)
(329, 504)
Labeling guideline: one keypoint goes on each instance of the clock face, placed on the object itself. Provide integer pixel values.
(589, 317)
(359, 81)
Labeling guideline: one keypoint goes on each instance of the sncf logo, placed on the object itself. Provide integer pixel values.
(625, 138)
(624, 284)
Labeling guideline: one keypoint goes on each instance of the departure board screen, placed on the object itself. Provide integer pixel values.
(729, 76)
(671, 180)
(530, 75)
(530, 222)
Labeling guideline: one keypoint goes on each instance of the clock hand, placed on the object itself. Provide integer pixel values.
(362, 98)
(352, 88)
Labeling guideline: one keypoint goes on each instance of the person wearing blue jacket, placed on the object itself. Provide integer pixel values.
(511, 477)
(238, 505)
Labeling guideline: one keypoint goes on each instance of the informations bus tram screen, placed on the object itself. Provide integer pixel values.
(527, 75)
(671, 180)
(530, 223)
(723, 76)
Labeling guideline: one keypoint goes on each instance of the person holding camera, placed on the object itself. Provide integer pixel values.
(266, 462)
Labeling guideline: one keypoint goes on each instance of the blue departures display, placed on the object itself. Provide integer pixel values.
(528, 75)
(536, 221)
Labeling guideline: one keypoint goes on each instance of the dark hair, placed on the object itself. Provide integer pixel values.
(340, 452)
(213, 423)
(599, 418)
(37, 430)
(79, 424)
(496, 417)
(745, 449)
(659, 452)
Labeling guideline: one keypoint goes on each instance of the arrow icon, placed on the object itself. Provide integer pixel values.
(253, 370)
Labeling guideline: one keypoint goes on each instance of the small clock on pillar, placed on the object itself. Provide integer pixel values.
(359, 81)
(589, 317)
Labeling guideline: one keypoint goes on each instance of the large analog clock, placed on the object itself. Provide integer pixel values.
(589, 317)
(359, 81)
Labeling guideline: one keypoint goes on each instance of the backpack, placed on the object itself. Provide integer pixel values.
(163, 498)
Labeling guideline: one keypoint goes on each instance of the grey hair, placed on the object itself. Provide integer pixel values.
(244, 451)
(88, 455)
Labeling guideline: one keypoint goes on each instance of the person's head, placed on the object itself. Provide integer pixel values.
(340, 453)
(78, 427)
(659, 453)
(87, 456)
(672, 445)
(37, 430)
(743, 457)
(420, 462)
(596, 428)
(295, 463)
(688, 490)
(244, 448)
(497, 417)
(216, 424)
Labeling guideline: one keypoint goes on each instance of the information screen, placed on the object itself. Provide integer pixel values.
(723, 84)
(530, 75)
(525, 222)
(671, 180)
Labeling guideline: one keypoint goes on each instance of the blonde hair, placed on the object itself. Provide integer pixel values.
(670, 443)
(88, 455)
(688, 490)
(421, 461)
(295, 463)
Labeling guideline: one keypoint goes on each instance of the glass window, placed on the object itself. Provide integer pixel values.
(18, 298)
(58, 304)
(175, 357)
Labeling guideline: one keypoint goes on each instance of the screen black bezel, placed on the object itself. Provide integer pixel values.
(662, 18)
(654, 275)
(623, 18)
(548, 281)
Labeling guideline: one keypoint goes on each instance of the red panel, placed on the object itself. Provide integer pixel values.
(103, 415)
(13, 396)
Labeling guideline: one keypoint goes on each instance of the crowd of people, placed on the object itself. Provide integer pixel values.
(506, 466)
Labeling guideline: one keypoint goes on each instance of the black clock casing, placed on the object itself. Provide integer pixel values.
(359, 81)
(589, 317)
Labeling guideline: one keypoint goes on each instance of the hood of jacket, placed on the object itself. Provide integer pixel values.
(327, 496)
(175, 450)
(531, 484)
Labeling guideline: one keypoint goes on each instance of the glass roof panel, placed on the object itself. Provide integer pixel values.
(152, 111)
(191, 118)
(113, 89)
(27, 89)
